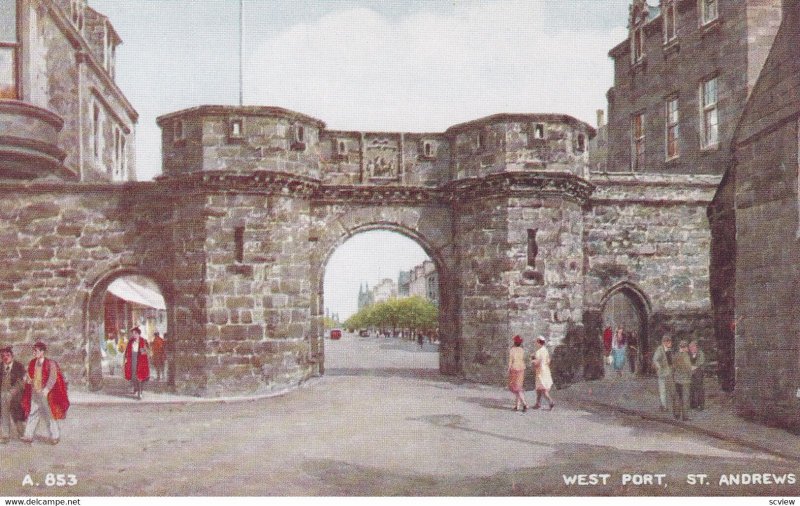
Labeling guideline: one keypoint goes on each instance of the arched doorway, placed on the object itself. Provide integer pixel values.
(120, 301)
(626, 307)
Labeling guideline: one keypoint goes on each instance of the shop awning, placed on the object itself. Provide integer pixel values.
(133, 292)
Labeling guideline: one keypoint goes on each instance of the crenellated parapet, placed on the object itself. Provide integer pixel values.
(251, 139)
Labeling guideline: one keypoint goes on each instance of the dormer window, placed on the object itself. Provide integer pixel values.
(178, 131)
(9, 49)
(299, 141)
(76, 13)
(670, 21)
(639, 12)
(236, 128)
(709, 11)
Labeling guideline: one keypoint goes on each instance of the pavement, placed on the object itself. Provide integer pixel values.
(627, 394)
(638, 396)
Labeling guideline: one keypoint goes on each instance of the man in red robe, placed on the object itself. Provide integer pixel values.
(137, 365)
(45, 395)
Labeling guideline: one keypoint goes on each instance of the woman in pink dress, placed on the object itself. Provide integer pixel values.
(516, 373)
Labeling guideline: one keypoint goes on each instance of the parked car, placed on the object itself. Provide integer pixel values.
(336, 334)
(363, 333)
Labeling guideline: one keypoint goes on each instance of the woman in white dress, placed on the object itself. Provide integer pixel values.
(541, 365)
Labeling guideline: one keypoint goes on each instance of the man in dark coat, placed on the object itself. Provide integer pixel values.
(12, 374)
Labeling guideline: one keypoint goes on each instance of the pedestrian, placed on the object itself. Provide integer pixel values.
(662, 361)
(12, 381)
(682, 372)
(44, 396)
(516, 373)
(698, 391)
(618, 351)
(137, 365)
(632, 341)
(608, 336)
(544, 380)
(420, 339)
(159, 355)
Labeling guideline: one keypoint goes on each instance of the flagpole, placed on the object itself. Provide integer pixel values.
(241, 46)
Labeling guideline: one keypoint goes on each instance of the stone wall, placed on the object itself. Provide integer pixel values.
(767, 271)
(62, 240)
(652, 233)
(733, 49)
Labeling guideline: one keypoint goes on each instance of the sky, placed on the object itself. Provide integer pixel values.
(374, 65)
(367, 257)
(381, 65)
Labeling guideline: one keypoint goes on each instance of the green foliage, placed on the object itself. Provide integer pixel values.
(329, 323)
(411, 313)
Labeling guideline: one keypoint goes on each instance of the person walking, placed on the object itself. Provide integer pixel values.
(682, 371)
(698, 391)
(159, 355)
(544, 380)
(632, 342)
(137, 365)
(662, 361)
(12, 381)
(618, 351)
(44, 396)
(516, 373)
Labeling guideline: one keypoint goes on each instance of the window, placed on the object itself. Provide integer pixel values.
(9, 49)
(178, 133)
(670, 21)
(481, 145)
(117, 156)
(428, 149)
(238, 244)
(341, 147)
(533, 248)
(97, 132)
(538, 131)
(637, 141)
(710, 124)
(637, 41)
(236, 129)
(708, 11)
(672, 129)
(580, 144)
(299, 143)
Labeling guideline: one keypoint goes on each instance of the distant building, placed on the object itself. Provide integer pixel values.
(424, 281)
(384, 290)
(403, 280)
(365, 297)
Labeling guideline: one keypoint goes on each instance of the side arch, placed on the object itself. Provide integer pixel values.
(627, 306)
(93, 306)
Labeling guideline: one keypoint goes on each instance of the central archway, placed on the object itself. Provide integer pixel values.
(334, 237)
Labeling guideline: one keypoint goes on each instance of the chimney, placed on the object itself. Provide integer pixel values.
(600, 118)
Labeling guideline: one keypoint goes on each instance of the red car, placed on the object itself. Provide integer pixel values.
(336, 334)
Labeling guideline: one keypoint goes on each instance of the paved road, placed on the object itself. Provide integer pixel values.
(381, 422)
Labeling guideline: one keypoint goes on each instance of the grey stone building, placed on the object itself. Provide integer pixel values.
(528, 234)
(755, 217)
(59, 97)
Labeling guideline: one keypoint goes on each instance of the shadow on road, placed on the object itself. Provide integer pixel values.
(395, 372)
